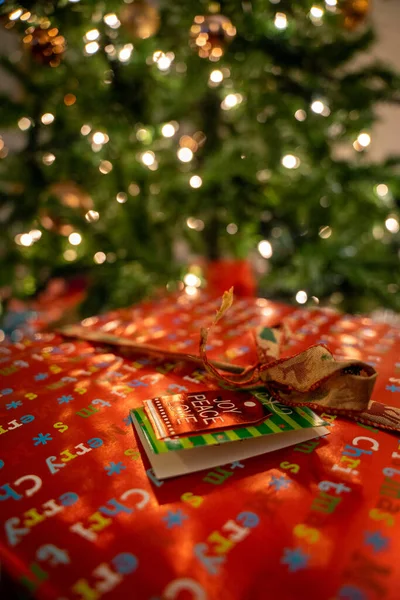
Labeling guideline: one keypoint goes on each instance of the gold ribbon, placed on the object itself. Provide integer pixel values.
(312, 378)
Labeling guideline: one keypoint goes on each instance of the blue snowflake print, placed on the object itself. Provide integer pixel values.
(279, 483)
(65, 399)
(295, 558)
(42, 438)
(127, 420)
(174, 519)
(6, 391)
(41, 376)
(393, 388)
(376, 540)
(114, 468)
(13, 404)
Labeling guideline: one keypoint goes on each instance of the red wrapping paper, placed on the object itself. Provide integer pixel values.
(83, 517)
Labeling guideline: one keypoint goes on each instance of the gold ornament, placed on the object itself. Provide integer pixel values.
(354, 12)
(69, 195)
(210, 35)
(46, 46)
(140, 19)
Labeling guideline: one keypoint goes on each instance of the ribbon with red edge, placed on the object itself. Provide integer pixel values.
(313, 378)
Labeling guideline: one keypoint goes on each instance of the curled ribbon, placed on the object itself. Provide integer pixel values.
(312, 378)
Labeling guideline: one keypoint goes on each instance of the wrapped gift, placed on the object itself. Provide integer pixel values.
(84, 516)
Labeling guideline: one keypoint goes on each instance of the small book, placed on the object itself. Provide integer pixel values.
(189, 432)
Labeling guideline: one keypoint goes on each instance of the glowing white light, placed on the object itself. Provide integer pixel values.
(24, 123)
(318, 107)
(195, 181)
(92, 216)
(232, 228)
(185, 154)
(70, 254)
(91, 47)
(190, 290)
(300, 115)
(290, 161)
(47, 118)
(265, 249)
(192, 279)
(382, 190)
(105, 167)
(148, 158)
(13, 16)
(230, 101)
(99, 138)
(99, 258)
(92, 35)
(112, 20)
(364, 139)
(121, 197)
(216, 76)
(316, 12)
(301, 297)
(325, 232)
(86, 129)
(331, 2)
(280, 21)
(392, 224)
(26, 239)
(164, 63)
(125, 53)
(191, 222)
(48, 159)
(75, 238)
(168, 130)
(35, 234)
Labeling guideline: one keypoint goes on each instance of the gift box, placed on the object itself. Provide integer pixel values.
(84, 516)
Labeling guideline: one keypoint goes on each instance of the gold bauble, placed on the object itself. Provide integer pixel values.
(140, 19)
(354, 12)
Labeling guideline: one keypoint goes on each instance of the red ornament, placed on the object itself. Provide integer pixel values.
(224, 273)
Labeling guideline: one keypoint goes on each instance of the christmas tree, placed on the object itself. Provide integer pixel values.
(156, 132)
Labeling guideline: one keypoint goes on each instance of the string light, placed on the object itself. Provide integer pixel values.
(70, 254)
(382, 190)
(300, 115)
(13, 16)
(216, 76)
(364, 139)
(168, 130)
(162, 60)
(35, 234)
(265, 249)
(24, 123)
(232, 228)
(325, 232)
(99, 138)
(192, 280)
(133, 189)
(301, 297)
(47, 118)
(392, 224)
(148, 158)
(105, 167)
(195, 181)
(112, 20)
(190, 290)
(99, 258)
(92, 216)
(26, 239)
(92, 35)
(48, 159)
(26, 16)
(280, 21)
(231, 100)
(289, 161)
(317, 106)
(196, 224)
(125, 53)
(316, 12)
(91, 48)
(86, 129)
(185, 154)
(75, 238)
(331, 2)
